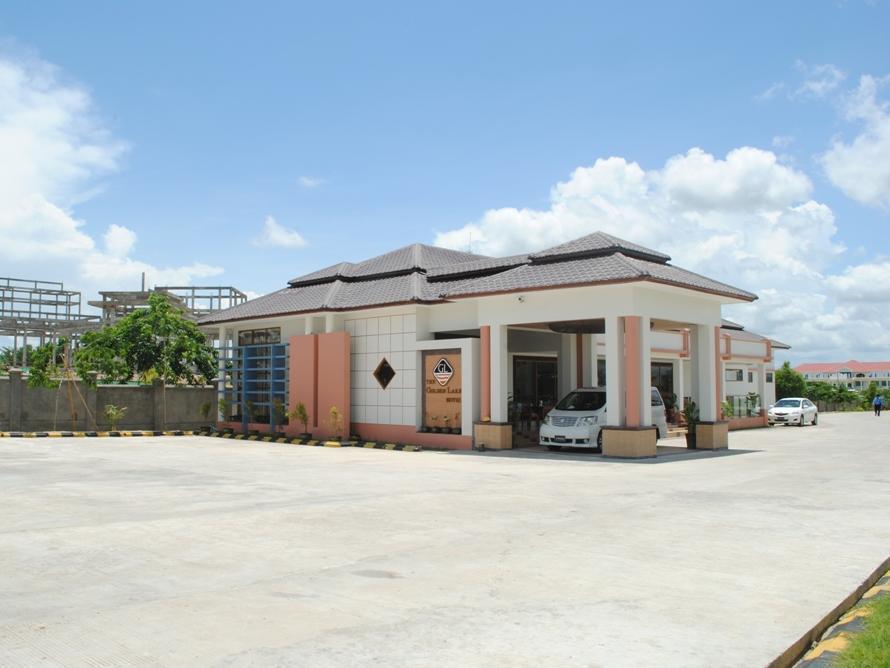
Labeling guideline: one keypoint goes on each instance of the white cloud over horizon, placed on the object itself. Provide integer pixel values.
(861, 168)
(746, 219)
(54, 148)
(276, 235)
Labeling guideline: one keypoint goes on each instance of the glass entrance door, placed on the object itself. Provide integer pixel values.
(534, 394)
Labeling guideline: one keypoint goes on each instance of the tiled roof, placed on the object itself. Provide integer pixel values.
(613, 268)
(739, 333)
(599, 243)
(428, 274)
(402, 260)
(851, 365)
(475, 267)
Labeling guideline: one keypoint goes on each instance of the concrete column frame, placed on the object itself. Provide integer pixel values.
(718, 376)
(679, 382)
(566, 369)
(594, 355)
(704, 371)
(499, 359)
(632, 371)
(587, 352)
(485, 371)
(645, 371)
(614, 371)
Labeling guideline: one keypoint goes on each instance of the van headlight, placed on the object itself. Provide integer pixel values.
(587, 421)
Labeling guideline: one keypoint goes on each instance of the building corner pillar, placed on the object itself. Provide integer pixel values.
(485, 372)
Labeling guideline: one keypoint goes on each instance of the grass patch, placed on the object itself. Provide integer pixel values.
(871, 647)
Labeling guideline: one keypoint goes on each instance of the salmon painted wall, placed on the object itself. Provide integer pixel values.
(302, 376)
(333, 381)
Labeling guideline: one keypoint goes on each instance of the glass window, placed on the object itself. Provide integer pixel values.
(582, 401)
(656, 397)
(788, 403)
(733, 375)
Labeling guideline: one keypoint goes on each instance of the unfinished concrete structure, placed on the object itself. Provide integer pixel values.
(41, 311)
(194, 301)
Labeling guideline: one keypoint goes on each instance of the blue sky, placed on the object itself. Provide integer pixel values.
(409, 123)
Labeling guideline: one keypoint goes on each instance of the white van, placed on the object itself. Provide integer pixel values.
(576, 420)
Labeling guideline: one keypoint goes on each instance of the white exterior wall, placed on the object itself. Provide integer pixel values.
(372, 339)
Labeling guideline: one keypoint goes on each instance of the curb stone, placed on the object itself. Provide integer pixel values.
(375, 445)
(836, 638)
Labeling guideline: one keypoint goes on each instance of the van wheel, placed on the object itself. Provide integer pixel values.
(599, 439)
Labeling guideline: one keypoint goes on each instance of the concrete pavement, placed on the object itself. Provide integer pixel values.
(200, 551)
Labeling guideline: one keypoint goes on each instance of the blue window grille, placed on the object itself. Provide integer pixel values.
(256, 387)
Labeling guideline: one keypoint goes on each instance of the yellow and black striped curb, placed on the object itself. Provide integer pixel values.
(376, 445)
(837, 638)
(93, 434)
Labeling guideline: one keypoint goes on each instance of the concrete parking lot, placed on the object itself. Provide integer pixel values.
(195, 551)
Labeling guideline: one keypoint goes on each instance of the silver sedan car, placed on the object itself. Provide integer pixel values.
(794, 410)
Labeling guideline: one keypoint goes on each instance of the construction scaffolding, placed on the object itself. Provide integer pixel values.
(193, 301)
(40, 310)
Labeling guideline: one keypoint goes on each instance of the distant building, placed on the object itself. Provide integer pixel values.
(855, 375)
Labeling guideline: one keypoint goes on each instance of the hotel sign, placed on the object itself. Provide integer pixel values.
(442, 389)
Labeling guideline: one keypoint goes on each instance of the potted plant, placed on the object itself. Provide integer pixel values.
(446, 429)
(455, 429)
(670, 408)
(205, 409)
(728, 410)
(336, 423)
(114, 414)
(301, 415)
(690, 414)
(434, 419)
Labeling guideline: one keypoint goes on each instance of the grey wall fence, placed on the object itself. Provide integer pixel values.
(77, 406)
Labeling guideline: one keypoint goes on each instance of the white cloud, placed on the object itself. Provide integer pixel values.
(819, 80)
(747, 219)
(53, 148)
(771, 92)
(311, 181)
(861, 168)
(275, 234)
(783, 141)
(119, 241)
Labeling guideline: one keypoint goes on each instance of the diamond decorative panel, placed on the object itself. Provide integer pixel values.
(384, 373)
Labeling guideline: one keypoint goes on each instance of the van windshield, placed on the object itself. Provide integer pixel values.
(582, 401)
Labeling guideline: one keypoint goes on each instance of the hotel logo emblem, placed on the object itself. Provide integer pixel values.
(443, 371)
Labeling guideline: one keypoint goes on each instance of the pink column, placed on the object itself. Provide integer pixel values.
(485, 371)
(632, 370)
(719, 380)
(304, 375)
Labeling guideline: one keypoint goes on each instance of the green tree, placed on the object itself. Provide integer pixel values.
(789, 383)
(153, 342)
(869, 394)
(10, 357)
(45, 362)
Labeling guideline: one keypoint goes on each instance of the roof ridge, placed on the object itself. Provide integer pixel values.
(336, 284)
(631, 262)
